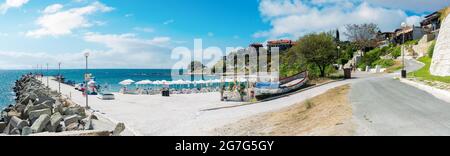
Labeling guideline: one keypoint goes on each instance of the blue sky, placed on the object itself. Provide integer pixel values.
(142, 34)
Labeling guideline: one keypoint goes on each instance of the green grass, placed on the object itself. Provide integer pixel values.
(424, 73)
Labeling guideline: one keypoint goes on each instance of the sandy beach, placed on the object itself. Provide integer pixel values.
(177, 115)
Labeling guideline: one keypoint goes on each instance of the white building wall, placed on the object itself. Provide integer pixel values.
(440, 65)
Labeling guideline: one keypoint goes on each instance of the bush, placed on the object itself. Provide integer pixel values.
(343, 61)
(412, 42)
(370, 57)
(396, 51)
(431, 49)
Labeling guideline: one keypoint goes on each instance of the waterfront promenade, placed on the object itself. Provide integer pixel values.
(183, 114)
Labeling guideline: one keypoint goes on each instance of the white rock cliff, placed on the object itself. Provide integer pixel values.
(440, 66)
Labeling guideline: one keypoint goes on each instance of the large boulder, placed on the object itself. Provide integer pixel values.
(71, 119)
(40, 123)
(20, 108)
(18, 123)
(13, 113)
(26, 131)
(75, 110)
(72, 127)
(2, 126)
(87, 122)
(27, 98)
(7, 129)
(55, 121)
(33, 115)
(48, 103)
(120, 127)
(31, 107)
(58, 108)
(44, 99)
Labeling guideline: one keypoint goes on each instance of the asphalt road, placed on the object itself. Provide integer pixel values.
(383, 106)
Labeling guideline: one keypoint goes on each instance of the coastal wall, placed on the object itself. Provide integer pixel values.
(440, 65)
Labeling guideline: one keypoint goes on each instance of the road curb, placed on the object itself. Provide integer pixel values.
(438, 93)
(273, 98)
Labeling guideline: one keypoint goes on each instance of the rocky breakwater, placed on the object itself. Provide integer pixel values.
(39, 110)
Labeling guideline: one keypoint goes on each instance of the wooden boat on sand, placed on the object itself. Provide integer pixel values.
(286, 85)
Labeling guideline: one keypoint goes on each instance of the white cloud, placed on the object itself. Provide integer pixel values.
(64, 22)
(169, 22)
(126, 42)
(12, 4)
(129, 51)
(122, 51)
(129, 15)
(28, 60)
(417, 6)
(53, 8)
(414, 20)
(270, 9)
(295, 18)
(144, 29)
(210, 34)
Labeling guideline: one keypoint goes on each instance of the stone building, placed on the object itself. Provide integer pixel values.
(431, 25)
(409, 33)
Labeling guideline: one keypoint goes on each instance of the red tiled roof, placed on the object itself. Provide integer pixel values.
(281, 42)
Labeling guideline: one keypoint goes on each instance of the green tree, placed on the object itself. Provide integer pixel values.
(317, 49)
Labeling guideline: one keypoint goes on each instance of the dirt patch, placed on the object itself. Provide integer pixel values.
(319, 81)
(397, 66)
(328, 114)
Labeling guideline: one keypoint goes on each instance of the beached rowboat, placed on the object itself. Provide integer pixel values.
(290, 84)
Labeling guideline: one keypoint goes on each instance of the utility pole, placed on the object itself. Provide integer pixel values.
(403, 51)
(86, 80)
(59, 78)
(48, 84)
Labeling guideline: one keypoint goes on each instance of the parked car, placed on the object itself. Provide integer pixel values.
(106, 96)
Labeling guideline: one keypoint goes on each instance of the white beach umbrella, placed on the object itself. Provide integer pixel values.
(144, 82)
(217, 81)
(177, 82)
(126, 82)
(184, 82)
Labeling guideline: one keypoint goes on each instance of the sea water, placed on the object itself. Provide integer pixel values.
(103, 77)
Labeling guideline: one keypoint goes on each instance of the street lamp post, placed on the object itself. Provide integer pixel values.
(86, 55)
(42, 74)
(403, 51)
(59, 78)
(48, 84)
(338, 52)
